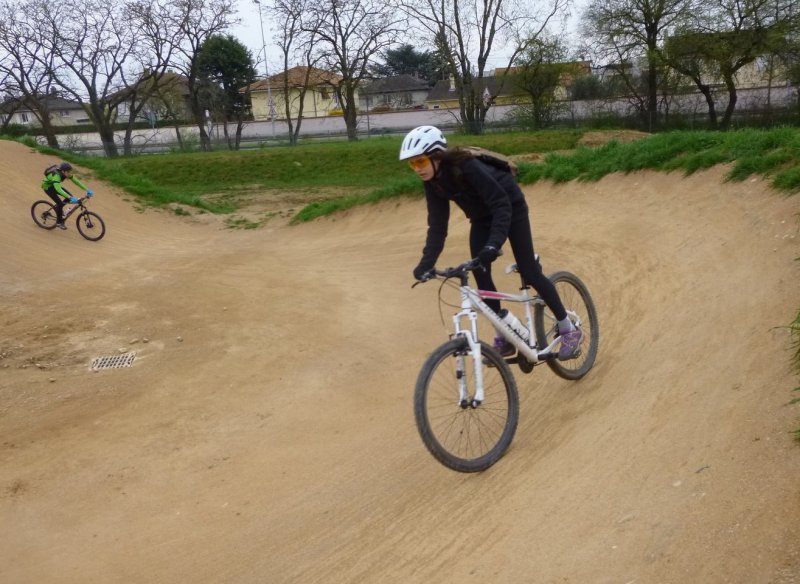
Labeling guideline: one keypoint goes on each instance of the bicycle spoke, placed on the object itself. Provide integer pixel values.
(581, 310)
(466, 438)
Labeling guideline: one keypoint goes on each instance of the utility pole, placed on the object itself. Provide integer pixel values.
(270, 105)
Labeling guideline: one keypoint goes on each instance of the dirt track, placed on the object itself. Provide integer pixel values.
(265, 433)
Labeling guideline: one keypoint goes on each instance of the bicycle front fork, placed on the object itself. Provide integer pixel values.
(462, 375)
(462, 363)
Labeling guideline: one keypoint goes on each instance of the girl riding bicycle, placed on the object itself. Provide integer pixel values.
(497, 210)
(51, 185)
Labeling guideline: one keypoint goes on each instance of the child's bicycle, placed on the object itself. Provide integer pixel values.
(89, 223)
(466, 402)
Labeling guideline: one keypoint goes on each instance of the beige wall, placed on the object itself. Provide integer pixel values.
(58, 118)
(318, 102)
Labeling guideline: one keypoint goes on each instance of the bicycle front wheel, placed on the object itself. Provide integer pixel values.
(461, 433)
(44, 214)
(580, 307)
(91, 226)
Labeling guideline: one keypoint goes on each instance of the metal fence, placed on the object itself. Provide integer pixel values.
(755, 107)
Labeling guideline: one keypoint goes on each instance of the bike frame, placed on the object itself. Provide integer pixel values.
(471, 305)
(75, 207)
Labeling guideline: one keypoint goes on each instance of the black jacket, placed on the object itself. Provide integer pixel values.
(485, 194)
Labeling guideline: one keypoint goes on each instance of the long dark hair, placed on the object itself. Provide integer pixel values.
(450, 161)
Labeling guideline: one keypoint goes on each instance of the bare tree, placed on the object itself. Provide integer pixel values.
(627, 32)
(159, 32)
(91, 50)
(26, 66)
(466, 32)
(168, 103)
(349, 35)
(296, 41)
(198, 20)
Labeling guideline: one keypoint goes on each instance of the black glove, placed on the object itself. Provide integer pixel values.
(421, 273)
(487, 255)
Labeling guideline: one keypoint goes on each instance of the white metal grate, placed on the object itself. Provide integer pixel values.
(114, 361)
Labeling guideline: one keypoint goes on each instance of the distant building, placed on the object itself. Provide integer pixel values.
(171, 100)
(63, 112)
(393, 93)
(444, 94)
(320, 97)
(571, 70)
(501, 87)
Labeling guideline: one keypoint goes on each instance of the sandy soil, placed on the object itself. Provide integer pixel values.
(265, 434)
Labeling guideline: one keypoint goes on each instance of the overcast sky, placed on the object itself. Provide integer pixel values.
(249, 33)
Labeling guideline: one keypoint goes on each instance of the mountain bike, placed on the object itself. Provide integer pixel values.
(90, 224)
(466, 402)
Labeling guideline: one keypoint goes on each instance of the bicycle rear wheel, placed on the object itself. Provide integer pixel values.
(579, 304)
(44, 214)
(463, 435)
(91, 226)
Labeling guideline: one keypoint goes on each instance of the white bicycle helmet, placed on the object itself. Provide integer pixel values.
(422, 140)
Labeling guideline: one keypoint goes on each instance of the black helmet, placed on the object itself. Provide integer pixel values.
(64, 167)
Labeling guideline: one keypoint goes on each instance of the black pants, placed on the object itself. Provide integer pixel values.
(521, 241)
(59, 203)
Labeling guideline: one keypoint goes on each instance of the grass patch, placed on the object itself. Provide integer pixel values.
(401, 186)
(774, 154)
(219, 182)
(214, 181)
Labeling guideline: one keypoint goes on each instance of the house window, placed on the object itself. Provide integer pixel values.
(24, 117)
(324, 93)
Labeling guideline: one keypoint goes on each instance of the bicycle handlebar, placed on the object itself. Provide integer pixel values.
(459, 271)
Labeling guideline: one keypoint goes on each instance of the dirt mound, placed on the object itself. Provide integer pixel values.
(264, 431)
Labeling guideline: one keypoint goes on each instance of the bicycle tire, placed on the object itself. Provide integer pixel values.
(91, 226)
(575, 296)
(43, 214)
(462, 437)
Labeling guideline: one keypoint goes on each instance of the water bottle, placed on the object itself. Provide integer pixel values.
(514, 323)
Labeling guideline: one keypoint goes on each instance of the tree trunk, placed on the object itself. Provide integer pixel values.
(712, 109)
(178, 136)
(49, 133)
(732, 99)
(349, 110)
(239, 128)
(652, 97)
(198, 113)
(127, 141)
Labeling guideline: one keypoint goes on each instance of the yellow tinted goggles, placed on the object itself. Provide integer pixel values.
(419, 162)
